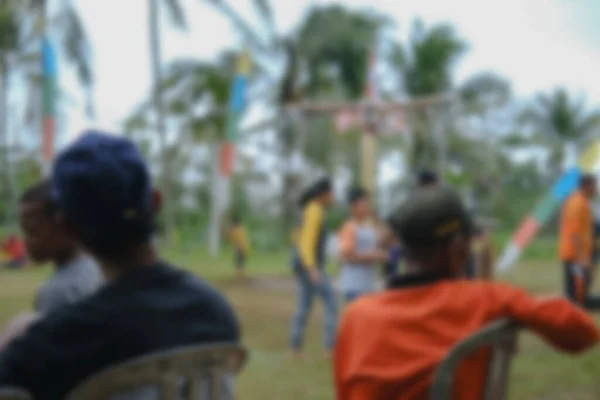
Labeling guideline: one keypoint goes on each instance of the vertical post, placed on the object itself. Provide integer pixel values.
(369, 139)
(369, 162)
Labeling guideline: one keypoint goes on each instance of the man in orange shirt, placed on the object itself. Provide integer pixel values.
(576, 242)
(390, 343)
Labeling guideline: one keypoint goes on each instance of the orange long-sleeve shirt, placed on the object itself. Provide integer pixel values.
(390, 343)
(576, 223)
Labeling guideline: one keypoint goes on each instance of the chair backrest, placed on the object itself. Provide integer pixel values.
(187, 373)
(501, 337)
(13, 394)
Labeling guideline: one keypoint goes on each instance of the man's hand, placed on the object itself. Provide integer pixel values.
(381, 256)
(315, 275)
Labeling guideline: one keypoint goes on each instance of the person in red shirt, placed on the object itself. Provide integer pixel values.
(389, 344)
(16, 251)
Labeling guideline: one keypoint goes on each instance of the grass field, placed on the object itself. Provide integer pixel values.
(265, 305)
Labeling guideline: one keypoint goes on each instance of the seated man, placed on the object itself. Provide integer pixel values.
(102, 188)
(76, 275)
(390, 343)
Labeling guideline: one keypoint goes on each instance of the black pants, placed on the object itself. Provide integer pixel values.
(470, 271)
(577, 282)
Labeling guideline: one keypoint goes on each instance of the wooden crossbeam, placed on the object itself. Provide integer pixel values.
(312, 107)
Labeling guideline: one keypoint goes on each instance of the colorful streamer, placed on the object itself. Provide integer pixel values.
(236, 107)
(547, 207)
(49, 79)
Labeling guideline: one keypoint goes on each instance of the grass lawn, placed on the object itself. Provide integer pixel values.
(265, 307)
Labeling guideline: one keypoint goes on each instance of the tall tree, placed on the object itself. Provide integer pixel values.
(425, 67)
(9, 46)
(563, 121)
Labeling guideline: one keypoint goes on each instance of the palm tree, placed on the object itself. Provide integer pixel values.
(425, 68)
(326, 59)
(563, 121)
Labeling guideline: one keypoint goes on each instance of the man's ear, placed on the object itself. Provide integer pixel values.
(61, 220)
(156, 201)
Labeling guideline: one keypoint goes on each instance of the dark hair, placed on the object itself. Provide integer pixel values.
(41, 192)
(357, 194)
(427, 177)
(587, 179)
(305, 197)
(322, 186)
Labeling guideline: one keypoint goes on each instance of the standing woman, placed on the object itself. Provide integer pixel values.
(308, 264)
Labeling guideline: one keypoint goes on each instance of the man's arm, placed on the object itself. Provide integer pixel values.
(557, 320)
(17, 327)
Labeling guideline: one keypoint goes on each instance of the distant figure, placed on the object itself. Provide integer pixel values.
(14, 248)
(241, 245)
(102, 188)
(359, 248)
(48, 239)
(308, 264)
(390, 343)
(576, 240)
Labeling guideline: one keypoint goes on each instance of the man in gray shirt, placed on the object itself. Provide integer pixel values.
(48, 239)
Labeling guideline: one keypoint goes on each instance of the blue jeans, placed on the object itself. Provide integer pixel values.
(306, 293)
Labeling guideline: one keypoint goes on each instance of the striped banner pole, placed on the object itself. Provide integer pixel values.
(226, 152)
(49, 83)
(237, 104)
(547, 207)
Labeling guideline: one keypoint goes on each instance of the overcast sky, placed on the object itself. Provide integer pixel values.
(537, 44)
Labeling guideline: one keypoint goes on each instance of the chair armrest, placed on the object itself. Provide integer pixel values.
(501, 332)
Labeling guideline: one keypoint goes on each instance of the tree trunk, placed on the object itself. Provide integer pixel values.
(11, 199)
(155, 55)
(214, 232)
(289, 194)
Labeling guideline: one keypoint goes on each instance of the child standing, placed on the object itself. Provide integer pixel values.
(239, 239)
(359, 249)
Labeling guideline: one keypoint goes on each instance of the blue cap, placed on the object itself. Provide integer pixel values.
(102, 183)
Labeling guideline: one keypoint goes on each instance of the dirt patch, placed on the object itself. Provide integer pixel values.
(273, 283)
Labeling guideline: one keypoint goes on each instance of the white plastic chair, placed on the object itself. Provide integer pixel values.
(13, 394)
(188, 373)
(501, 337)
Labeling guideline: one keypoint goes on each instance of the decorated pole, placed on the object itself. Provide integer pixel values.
(547, 207)
(49, 83)
(221, 190)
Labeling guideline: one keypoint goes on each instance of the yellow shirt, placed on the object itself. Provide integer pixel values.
(239, 238)
(308, 238)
